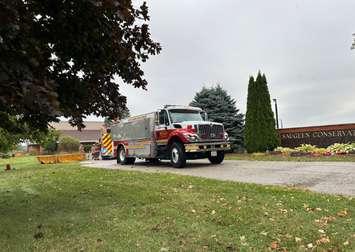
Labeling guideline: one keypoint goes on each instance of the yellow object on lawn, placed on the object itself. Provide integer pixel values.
(61, 158)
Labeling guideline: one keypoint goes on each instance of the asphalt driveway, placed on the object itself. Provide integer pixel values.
(326, 177)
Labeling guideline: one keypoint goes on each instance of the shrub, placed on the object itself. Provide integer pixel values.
(49, 141)
(307, 148)
(87, 148)
(320, 151)
(69, 144)
(338, 148)
(258, 154)
(8, 141)
(285, 150)
(4, 155)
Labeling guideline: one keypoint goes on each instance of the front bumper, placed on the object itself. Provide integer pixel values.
(205, 147)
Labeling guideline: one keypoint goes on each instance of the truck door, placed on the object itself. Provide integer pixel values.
(163, 128)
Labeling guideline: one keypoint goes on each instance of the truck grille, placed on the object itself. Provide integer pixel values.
(213, 131)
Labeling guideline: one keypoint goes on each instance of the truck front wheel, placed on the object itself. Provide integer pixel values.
(216, 159)
(177, 155)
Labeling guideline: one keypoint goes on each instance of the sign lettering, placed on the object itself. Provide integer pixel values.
(321, 136)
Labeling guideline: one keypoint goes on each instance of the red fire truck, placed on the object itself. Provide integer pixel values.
(175, 133)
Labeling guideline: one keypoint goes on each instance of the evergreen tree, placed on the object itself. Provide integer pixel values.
(250, 118)
(221, 108)
(260, 132)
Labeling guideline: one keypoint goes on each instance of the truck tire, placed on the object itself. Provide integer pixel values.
(217, 159)
(130, 161)
(177, 155)
(118, 159)
(121, 155)
(122, 159)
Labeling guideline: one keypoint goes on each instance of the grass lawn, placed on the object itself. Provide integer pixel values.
(69, 208)
(268, 157)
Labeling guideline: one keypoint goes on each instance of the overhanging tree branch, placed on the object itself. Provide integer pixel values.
(98, 39)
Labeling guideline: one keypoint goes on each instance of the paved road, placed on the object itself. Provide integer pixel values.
(326, 177)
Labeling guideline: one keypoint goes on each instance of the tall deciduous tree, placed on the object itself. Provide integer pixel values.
(221, 108)
(108, 121)
(60, 58)
(260, 132)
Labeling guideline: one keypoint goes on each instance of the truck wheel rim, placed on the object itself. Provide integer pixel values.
(122, 155)
(175, 155)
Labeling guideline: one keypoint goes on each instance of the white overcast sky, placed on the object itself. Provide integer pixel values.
(302, 46)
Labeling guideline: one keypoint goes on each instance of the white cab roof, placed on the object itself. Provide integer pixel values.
(181, 107)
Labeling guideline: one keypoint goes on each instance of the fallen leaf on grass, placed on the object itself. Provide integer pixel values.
(284, 211)
(346, 243)
(325, 220)
(213, 212)
(323, 240)
(263, 233)
(310, 245)
(343, 213)
(297, 239)
(274, 245)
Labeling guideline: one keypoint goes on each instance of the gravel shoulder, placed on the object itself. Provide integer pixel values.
(324, 177)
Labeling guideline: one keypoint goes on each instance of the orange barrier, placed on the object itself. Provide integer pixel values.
(61, 158)
(48, 159)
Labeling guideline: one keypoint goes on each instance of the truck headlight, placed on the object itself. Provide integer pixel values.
(191, 137)
(226, 137)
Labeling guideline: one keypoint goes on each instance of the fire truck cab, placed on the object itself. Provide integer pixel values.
(175, 133)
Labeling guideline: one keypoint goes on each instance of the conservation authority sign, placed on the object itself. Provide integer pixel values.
(321, 136)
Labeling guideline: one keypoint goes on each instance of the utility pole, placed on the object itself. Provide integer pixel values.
(353, 45)
(276, 113)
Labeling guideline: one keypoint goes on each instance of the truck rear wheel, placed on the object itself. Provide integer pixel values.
(216, 159)
(121, 155)
(122, 159)
(177, 155)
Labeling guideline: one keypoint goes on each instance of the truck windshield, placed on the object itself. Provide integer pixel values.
(182, 115)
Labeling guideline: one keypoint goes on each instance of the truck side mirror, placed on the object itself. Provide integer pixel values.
(156, 118)
(204, 115)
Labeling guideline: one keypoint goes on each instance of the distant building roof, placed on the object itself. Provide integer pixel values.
(64, 125)
(91, 133)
